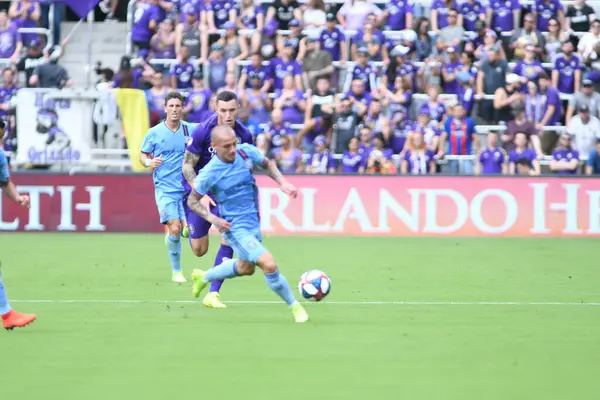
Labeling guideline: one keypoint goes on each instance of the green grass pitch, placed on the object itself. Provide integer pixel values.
(172, 348)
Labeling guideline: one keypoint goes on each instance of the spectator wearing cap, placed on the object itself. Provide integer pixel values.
(354, 160)
(579, 17)
(283, 11)
(296, 40)
(584, 129)
(566, 71)
(251, 17)
(290, 101)
(162, 44)
(449, 70)
(235, 48)
(418, 159)
(504, 15)
(528, 34)
(453, 34)
(362, 70)
(458, 139)
(520, 124)
(587, 96)
(379, 159)
(565, 159)
(493, 159)
(588, 42)
(321, 160)
(592, 166)
(440, 18)
(424, 44)
(505, 96)
(472, 11)
(144, 25)
(490, 78)
(314, 14)
(197, 104)
(276, 128)
(189, 33)
(545, 10)
(218, 12)
(372, 39)
(10, 38)
(354, 13)
(26, 14)
(316, 64)
(319, 113)
(333, 40)
(217, 67)
(155, 98)
(551, 112)
(287, 156)
(522, 159)
(398, 15)
(476, 37)
(256, 101)
(182, 71)
(466, 93)
(286, 65)
(257, 70)
(529, 68)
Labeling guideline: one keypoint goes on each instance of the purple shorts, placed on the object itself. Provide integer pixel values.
(197, 226)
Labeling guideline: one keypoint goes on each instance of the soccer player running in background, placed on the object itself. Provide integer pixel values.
(198, 153)
(10, 318)
(229, 178)
(162, 149)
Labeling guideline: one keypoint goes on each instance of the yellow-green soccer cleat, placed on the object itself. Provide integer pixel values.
(213, 300)
(198, 283)
(185, 232)
(300, 314)
(178, 277)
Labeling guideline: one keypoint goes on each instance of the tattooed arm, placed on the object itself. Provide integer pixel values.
(195, 204)
(190, 160)
(273, 172)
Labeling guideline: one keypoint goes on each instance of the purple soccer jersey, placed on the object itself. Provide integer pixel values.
(516, 156)
(221, 9)
(502, 19)
(566, 155)
(398, 10)
(6, 95)
(137, 77)
(491, 161)
(442, 10)
(545, 12)
(418, 164)
(250, 22)
(552, 98)
(281, 69)
(200, 102)
(144, 14)
(320, 162)
(287, 164)
(184, 73)
(26, 22)
(9, 38)
(436, 112)
(331, 42)
(275, 132)
(200, 145)
(190, 7)
(263, 73)
(530, 71)
(452, 87)
(364, 74)
(291, 113)
(566, 67)
(351, 163)
(471, 11)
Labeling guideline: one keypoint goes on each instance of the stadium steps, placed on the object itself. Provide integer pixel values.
(108, 45)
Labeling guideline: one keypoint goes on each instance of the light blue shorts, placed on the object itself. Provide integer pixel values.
(246, 244)
(170, 208)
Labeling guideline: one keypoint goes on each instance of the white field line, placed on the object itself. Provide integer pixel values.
(337, 303)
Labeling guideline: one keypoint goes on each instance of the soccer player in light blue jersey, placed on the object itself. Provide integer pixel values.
(10, 318)
(228, 177)
(162, 149)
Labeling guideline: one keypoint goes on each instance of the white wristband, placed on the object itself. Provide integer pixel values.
(147, 162)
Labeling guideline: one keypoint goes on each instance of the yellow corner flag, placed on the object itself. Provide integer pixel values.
(136, 122)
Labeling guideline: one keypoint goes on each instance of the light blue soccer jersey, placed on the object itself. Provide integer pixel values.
(4, 174)
(160, 140)
(234, 187)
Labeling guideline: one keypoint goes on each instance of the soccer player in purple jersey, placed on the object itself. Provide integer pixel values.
(198, 153)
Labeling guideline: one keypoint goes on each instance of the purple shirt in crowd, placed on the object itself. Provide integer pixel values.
(527, 154)
(221, 10)
(491, 161)
(530, 71)
(144, 14)
(442, 10)
(471, 10)
(418, 164)
(552, 98)
(502, 19)
(466, 97)
(250, 22)
(398, 10)
(275, 132)
(281, 69)
(184, 73)
(566, 67)
(351, 162)
(545, 12)
(137, 77)
(291, 113)
(263, 73)
(190, 7)
(331, 42)
(320, 162)
(200, 101)
(9, 37)
(200, 142)
(452, 87)
(6, 95)
(26, 22)
(436, 111)
(364, 74)
(566, 155)
(287, 164)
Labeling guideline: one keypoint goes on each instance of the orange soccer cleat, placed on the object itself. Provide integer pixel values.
(13, 319)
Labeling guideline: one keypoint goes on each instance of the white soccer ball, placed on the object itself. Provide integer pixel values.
(314, 285)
